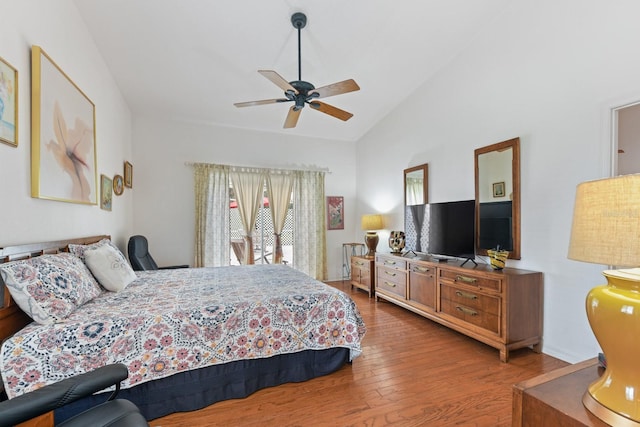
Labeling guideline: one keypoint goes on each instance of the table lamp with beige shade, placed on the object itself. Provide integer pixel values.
(606, 230)
(371, 223)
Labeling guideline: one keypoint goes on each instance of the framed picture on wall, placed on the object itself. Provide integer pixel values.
(335, 213)
(118, 185)
(106, 192)
(128, 175)
(63, 142)
(8, 104)
(498, 189)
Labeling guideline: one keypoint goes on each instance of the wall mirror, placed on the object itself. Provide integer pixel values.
(497, 170)
(416, 185)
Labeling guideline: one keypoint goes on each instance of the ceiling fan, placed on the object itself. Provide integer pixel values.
(300, 92)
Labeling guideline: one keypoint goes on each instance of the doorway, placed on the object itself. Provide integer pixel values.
(626, 140)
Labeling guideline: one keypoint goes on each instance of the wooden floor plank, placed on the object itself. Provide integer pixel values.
(412, 372)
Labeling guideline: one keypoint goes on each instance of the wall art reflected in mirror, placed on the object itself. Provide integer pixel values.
(497, 188)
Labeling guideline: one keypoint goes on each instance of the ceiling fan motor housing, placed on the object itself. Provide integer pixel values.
(303, 95)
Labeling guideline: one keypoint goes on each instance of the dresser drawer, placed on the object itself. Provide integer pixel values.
(474, 308)
(422, 285)
(471, 299)
(361, 264)
(390, 280)
(471, 280)
(487, 321)
(391, 262)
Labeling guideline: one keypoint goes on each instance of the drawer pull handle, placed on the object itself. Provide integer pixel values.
(466, 279)
(467, 295)
(467, 311)
(359, 263)
(389, 262)
(390, 273)
(420, 269)
(393, 285)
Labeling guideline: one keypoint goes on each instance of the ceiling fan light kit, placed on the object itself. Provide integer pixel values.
(301, 92)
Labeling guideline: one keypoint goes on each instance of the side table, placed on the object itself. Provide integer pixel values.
(362, 274)
(555, 398)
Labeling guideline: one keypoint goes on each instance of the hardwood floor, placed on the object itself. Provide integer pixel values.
(412, 372)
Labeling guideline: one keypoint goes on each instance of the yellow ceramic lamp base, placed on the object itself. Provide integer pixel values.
(614, 315)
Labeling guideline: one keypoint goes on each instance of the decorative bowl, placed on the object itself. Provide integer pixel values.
(497, 258)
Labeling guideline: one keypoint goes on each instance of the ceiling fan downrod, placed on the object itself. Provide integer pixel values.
(299, 21)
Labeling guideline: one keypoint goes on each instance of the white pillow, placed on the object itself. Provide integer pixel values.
(110, 268)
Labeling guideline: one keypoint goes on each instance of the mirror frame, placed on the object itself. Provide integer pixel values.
(425, 190)
(514, 144)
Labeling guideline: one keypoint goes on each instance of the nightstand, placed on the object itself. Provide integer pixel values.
(362, 273)
(555, 398)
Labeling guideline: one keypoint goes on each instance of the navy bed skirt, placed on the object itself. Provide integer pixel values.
(192, 390)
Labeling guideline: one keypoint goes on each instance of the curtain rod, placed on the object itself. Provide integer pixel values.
(303, 168)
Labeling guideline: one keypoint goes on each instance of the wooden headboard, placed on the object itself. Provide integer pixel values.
(12, 318)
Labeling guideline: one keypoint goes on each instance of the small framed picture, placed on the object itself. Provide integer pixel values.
(106, 192)
(128, 175)
(498, 189)
(118, 185)
(335, 213)
(8, 104)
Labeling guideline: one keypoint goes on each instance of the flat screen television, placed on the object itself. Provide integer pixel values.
(452, 229)
(441, 229)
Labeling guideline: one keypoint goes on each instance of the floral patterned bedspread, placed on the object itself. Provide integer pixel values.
(169, 321)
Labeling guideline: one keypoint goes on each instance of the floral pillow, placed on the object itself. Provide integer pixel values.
(49, 287)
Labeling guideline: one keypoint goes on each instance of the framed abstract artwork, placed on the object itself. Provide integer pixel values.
(335, 213)
(128, 175)
(8, 104)
(63, 142)
(498, 189)
(106, 192)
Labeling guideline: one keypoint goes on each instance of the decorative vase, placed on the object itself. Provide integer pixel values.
(396, 241)
(497, 258)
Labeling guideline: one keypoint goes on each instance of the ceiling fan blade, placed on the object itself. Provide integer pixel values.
(331, 110)
(292, 117)
(336, 89)
(261, 102)
(278, 80)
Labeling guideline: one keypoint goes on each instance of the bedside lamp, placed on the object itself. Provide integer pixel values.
(606, 230)
(371, 223)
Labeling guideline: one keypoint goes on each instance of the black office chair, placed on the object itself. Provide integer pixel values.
(113, 412)
(138, 249)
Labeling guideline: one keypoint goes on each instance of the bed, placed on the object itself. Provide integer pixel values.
(190, 337)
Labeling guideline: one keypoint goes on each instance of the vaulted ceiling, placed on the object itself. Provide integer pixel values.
(191, 60)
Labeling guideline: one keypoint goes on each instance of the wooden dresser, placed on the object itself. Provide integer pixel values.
(362, 273)
(500, 308)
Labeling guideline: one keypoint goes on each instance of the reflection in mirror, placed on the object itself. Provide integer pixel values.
(497, 184)
(415, 185)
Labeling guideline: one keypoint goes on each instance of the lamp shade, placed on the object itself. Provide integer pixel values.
(371, 222)
(606, 222)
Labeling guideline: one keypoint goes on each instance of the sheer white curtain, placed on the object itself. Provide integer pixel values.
(249, 186)
(211, 215)
(279, 186)
(309, 235)
(414, 191)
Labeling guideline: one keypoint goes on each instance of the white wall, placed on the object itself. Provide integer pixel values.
(545, 71)
(59, 30)
(163, 184)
